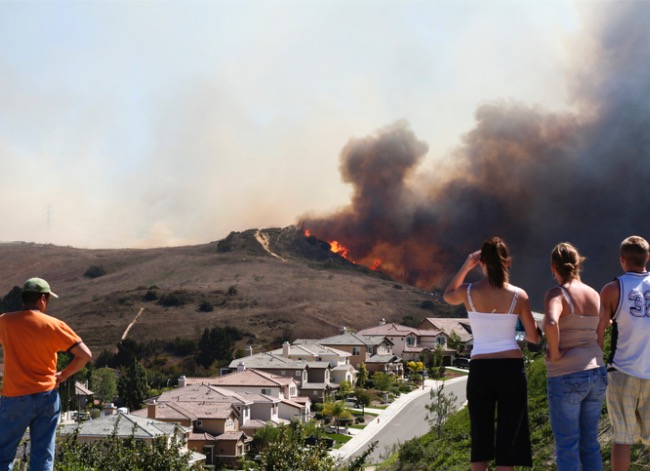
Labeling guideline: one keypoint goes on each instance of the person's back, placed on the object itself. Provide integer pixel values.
(30, 399)
(575, 371)
(497, 378)
(631, 326)
(578, 325)
(493, 317)
(623, 305)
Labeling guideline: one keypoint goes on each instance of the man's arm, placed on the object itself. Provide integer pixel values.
(82, 355)
(608, 304)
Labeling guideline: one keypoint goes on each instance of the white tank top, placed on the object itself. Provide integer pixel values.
(631, 330)
(492, 332)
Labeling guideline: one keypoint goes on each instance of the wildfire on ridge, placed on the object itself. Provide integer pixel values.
(338, 248)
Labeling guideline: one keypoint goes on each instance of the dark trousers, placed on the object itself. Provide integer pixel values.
(498, 409)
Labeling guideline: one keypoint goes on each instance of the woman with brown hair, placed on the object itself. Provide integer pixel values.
(497, 378)
(577, 377)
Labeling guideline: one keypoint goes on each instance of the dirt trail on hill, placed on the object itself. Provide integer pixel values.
(126, 332)
(263, 239)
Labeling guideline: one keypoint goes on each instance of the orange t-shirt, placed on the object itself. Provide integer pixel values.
(31, 340)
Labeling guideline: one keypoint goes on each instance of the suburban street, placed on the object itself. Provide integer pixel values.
(402, 420)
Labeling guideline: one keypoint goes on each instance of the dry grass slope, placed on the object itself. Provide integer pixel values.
(309, 292)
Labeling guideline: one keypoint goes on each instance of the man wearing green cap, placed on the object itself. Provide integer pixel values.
(30, 397)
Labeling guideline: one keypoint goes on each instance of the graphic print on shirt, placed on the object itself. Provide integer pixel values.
(640, 303)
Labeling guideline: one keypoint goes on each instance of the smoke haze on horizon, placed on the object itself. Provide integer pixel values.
(141, 124)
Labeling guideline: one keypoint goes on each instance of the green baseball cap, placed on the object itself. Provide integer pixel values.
(38, 285)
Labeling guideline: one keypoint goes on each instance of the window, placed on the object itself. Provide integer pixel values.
(266, 391)
(442, 340)
(298, 373)
(410, 341)
(356, 350)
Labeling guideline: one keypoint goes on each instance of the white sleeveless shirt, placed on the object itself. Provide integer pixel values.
(630, 345)
(492, 332)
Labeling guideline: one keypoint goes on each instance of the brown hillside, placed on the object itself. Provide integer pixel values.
(270, 283)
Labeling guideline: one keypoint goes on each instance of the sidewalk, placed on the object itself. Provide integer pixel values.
(364, 436)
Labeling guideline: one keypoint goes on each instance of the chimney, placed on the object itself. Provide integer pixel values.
(343, 329)
(182, 381)
(382, 321)
(151, 410)
(241, 366)
(286, 349)
(250, 350)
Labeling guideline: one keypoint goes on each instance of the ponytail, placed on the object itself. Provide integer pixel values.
(494, 254)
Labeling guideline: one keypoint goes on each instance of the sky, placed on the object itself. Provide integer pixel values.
(164, 123)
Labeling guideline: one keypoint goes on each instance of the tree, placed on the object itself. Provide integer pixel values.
(415, 370)
(382, 381)
(217, 344)
(128, 351)
(345, 388)
(104, 384)
(364, 397)
(290, 452)
(337, 410)
(122, 454)
(440, 408)
(132, 386)
(362, 376)
(455, 342)
(67, 389)
(12, 301)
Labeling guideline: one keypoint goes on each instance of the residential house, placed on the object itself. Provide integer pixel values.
(312, 378)
(361, 347)
(411, 343)
(129, 425)
(316, 355)
(248, 382)
(221, 420)
(460, 327)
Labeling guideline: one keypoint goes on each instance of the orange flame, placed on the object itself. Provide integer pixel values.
(336, 247)
(376, 264)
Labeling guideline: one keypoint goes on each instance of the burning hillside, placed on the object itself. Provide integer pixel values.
(529, 175)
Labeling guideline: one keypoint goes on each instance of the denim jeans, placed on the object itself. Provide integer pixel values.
(40, 412)
(575, 402)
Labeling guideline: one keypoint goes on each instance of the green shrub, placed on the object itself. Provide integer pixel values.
(206, 306)
(95, 271)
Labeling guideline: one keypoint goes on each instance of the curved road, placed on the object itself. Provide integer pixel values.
(403, 420)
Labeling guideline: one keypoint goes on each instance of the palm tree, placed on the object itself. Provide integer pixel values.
(337, 410)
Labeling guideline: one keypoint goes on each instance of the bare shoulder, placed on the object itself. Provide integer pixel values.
(553, 292)
(521, 293)
(610, 289)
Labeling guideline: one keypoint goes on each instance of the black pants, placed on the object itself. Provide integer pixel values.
(497, 387)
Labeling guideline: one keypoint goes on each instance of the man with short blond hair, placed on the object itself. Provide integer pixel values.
(30, 397)
(625, 304)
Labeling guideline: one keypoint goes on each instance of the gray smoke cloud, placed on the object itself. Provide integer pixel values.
(531, 176)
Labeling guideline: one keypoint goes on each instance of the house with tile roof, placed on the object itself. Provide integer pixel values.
(128, 425)
(311, 373)
(458, 326)
(255, 384)
(221, 421)
(361, 347)
(412, 343)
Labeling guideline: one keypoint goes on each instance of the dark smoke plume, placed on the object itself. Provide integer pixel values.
(533, 177)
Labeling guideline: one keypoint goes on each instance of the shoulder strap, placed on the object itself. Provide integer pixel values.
(469, 297)
(514, 301)
(567, 296)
